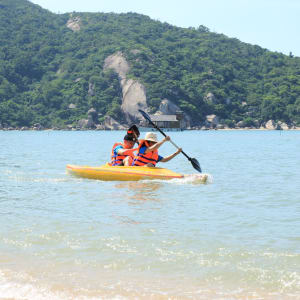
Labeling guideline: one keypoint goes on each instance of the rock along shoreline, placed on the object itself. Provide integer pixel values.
(165, 129)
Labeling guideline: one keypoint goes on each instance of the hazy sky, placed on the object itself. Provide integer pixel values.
(271, 24)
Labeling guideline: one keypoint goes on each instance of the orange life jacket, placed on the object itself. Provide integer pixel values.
(143, 159)
(116, 160)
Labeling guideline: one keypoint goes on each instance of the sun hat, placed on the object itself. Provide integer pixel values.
(151, 136)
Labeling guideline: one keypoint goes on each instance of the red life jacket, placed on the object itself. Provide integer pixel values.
(116, 160)
(143, 159)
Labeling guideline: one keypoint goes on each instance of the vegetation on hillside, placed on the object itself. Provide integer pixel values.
(45, 66)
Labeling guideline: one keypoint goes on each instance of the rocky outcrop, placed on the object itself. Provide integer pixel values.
(90, 122)
(167, 107)
(37, 126)
(256, 123)
(240, 124)
(221, 126)
(74, 23)
(212, 121)
(210, 99)
(118, 63)
(111, 124)
(282, 126)
(270, 125)
(93, 116)
(134, 93)
(85, 124)
(134, 98)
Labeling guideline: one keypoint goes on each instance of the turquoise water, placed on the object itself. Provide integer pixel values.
(237, 237)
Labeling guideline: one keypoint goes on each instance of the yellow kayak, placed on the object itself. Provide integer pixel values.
(108, 173)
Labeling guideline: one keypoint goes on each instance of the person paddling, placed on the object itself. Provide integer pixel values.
(147, 151)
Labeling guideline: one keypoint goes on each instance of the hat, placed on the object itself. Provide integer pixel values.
(150, 136)
(129, 137)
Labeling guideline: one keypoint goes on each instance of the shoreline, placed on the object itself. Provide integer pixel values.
(165, 129)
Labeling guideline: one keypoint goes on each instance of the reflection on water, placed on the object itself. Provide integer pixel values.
(141, 190)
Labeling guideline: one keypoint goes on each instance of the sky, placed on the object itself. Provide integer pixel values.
(271, 24)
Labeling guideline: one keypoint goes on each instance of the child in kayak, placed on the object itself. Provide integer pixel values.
(134, 132)
(122, 153)
(147, 151)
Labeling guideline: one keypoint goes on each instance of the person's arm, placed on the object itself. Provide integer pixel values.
(157, 145)
(165, 159)
(123, 151)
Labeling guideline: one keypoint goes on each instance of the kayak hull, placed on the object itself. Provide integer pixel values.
(121, 173)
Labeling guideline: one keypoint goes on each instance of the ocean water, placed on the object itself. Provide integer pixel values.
(237, 237)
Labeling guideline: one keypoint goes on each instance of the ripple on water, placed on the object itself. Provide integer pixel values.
(68, 238)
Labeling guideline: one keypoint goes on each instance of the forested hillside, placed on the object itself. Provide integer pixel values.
(45, 66)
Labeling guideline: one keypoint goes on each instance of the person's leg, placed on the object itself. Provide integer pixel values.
(127, 161)
(149, 165)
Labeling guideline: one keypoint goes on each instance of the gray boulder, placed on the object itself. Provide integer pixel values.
(111, 124)
(85, 123)
(240, 124)
(118, 63)
(283, 125)
(93, 115)
(74, 23)
(220, 126)
(212, 121)
(270, 125)
(37, 126)
(210, 98)
(167, 107)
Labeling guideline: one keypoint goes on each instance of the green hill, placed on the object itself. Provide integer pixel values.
(45, 66)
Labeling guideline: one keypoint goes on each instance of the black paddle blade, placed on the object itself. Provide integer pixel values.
(196, 164)
(145, 116)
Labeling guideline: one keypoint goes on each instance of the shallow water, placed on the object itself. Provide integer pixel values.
(236, 237)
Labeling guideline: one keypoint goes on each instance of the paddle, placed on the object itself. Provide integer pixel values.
(194, 161)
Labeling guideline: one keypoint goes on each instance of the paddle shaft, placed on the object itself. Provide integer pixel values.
(194, 161)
